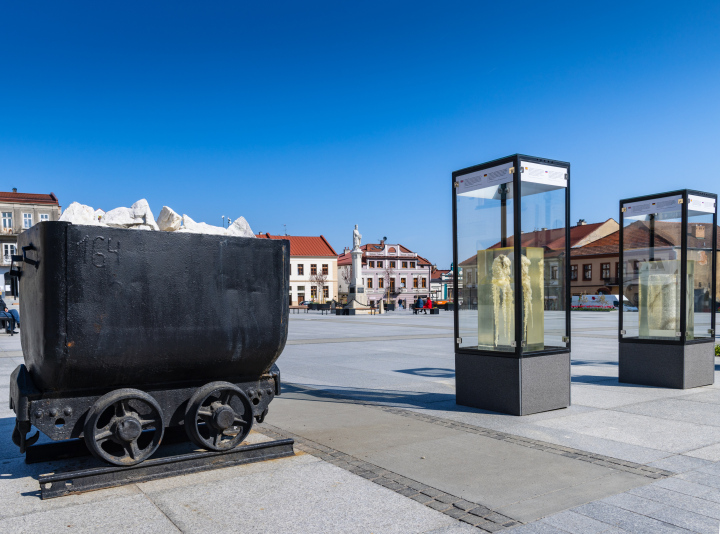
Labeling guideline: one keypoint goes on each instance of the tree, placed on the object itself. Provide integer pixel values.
(320, 280)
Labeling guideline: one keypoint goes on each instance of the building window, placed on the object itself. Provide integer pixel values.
(381, 283)
(415, 283)
(313, 292)
(325, 269)
(424, 285)
(44, 217)
(27, 220)
(605, 270)
(412, 264)
(313, 269)
(404, 265)
(392, 264)
(326, 292)
(617, 269)
(402, 282)
(7, 220)
(301, 269)
(554, 272)
(371, 264)
(392, 284)
(369, 283)
(573, 272)
(587, 271)
(8, 250)
(379, 264)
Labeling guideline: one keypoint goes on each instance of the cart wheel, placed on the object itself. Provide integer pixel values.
(218, 416)
(124, 427)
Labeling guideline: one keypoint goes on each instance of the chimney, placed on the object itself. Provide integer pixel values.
(14, 189)
(700, 231)
(581, 222)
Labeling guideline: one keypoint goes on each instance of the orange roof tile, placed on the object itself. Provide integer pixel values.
(28, 198)
(305, 245)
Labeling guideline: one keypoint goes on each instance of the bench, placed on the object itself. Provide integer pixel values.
(5, 322)
(433, 311)
(296, 309)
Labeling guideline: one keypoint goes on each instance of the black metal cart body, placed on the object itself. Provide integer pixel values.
(127, 332)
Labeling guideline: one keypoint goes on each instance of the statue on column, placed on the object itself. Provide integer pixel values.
(356, 238)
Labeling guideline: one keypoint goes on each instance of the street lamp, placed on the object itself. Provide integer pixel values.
(223, 218)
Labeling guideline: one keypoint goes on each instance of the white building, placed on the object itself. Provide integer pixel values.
(389, 272)
(313, 268)
(21, 211)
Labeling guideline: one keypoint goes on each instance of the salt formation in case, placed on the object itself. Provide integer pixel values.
(668, 248)
(512, 321)
(496, 299)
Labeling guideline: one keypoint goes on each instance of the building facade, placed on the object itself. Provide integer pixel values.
(313, 268)
(582, 235)
(389, 272)
(21, 211)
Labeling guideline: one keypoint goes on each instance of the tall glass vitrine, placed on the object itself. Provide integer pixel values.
(512, 300)
(668, 245)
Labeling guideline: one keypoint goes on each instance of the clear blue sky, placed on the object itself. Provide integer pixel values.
(322, 115)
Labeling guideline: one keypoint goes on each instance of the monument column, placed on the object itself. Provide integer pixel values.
(356, 291)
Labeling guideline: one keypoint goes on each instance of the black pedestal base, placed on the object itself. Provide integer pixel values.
(667, 366)
(515, 386)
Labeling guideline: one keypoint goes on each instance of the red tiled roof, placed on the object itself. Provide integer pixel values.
(554, 239)
(28, 198)
(305, 245)
(438, 273)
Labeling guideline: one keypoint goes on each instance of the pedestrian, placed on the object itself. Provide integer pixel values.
(428, 304)
(419, 304)
(10, 314)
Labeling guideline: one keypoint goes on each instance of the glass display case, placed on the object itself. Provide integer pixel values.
(668, 257)
(511, 290)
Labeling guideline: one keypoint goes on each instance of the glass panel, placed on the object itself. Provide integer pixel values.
(543, 267)
(651, 271)
(486, 311)
(700, 259)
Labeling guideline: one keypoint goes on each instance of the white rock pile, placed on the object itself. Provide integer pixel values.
(140, 217)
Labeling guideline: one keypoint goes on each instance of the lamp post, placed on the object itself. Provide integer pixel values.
(223, 219)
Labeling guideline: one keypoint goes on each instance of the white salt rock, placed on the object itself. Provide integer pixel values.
(77, 213)
(122, 217)
(193, 227)
(141, 210)
(240, 228)
(141, 227)
(168, 220)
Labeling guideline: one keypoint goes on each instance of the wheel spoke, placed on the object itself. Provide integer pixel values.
(204, 412)
(239, 420)
(132, 450)
(218, 439)
(145, 422)
(102, 436)
(225, 396)
(120, 408)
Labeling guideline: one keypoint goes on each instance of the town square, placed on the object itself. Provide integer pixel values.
(359, 268)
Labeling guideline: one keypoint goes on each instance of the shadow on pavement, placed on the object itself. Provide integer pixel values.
(431, 372)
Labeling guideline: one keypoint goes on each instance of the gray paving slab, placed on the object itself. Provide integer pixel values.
(134, 513)
(279, 501)
(626, 520)
(680, 463)
(576, 523)
(680, 500)
(484, 470)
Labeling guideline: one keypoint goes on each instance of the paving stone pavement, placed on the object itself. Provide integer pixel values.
(403, 365)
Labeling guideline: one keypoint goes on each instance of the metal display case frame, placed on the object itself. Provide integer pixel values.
(683, 362)
(519, 382)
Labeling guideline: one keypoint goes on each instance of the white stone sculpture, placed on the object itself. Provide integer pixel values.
(240, 228)
(168, 220)
(527, 292)
(77, 213)
(141, 210)
(192, 227)
(356, 238)
(502, 293)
